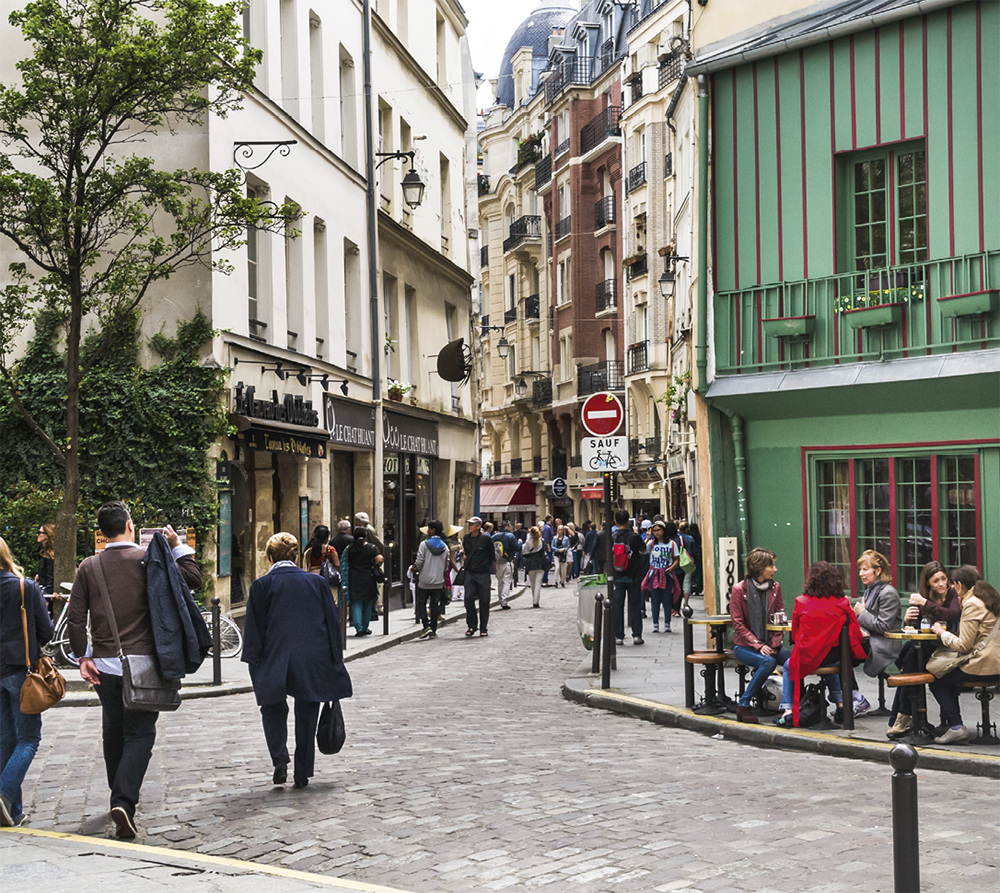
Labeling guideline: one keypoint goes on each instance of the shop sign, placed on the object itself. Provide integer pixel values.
(281, 442)
(729, 570)
(406, 434)
(292, 410)
(349, 424)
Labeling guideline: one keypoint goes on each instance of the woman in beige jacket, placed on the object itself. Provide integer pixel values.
(980, 608)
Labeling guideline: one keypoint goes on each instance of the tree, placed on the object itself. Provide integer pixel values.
(95, 223)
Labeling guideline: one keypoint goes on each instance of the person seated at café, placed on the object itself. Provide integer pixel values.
(976, 625)
(753, 603)
(879, 611)
(936, 601)
(817, 619)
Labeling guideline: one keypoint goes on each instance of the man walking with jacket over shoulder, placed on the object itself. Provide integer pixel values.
(128, 735)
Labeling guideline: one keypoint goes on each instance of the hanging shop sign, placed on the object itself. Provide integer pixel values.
(292, 410)
(282, 442)
(406, 434)
(349, 424)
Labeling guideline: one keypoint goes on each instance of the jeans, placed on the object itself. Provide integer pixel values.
(274, 718)
(660, 597)
(946, 691)
(361, 613)
(434, 596)
(20, 735)
(576, 563)
(763, 667)
(832, 681)
(129, 736)
(477, 593)
(628, 590)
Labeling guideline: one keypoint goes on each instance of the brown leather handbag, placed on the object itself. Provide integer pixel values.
(44, 685)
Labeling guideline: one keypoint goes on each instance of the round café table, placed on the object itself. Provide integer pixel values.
(922, 729)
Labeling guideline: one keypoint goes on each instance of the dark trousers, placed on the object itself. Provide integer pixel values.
(274, 718)
(946, 691)
(128, 737)
(477, 593)
(434, 596)
(628, 589)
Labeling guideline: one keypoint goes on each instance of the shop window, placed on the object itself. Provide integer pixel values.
(887, 193)
(911, 508)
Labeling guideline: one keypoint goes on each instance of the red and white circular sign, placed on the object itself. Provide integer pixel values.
(602, 414)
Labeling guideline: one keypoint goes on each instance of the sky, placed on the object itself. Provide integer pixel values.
(491, 24)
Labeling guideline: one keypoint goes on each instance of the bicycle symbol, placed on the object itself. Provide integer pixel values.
(604, 460)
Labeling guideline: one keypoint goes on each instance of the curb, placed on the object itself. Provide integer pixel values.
(617, 701)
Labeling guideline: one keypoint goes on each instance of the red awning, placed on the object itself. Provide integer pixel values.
(592, 492)
(507, 496)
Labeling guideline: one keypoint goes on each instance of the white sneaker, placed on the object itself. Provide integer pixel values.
(861, 706)
(656, 627)
(955, 735)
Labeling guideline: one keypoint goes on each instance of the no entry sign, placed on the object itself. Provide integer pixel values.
(602, 414)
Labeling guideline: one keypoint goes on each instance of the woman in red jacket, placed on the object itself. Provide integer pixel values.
(819, 615)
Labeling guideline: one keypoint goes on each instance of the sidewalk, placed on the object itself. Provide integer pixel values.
(36, 861)
(236, 674)
(649, 684)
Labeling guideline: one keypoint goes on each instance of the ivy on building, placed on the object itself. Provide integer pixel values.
(146, 431)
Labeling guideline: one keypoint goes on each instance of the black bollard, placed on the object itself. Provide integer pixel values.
(595, 663)
(847, 678)
(608, 644)
(905, 820)
(216, 642)
(688, 612)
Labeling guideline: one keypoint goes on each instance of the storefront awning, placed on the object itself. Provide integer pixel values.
(592, 492)
(507, 496)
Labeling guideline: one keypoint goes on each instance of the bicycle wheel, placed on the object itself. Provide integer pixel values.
(230, 637)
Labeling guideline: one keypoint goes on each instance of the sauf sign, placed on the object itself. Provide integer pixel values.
(607, 450)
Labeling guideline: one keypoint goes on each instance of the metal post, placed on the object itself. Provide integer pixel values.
(609, 644)
(905, 820)
(846, 678)
(342, 594)
(216, 642)
(386, 592)
(595, 664)
(688, 612)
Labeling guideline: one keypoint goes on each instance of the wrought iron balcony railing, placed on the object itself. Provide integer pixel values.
(635, 90)
(573, 69)
(638, 268)
(515, 466)
(510, 315)
(604, 212)
(636, 177)
(606, 376)
(543, 172)
(607, 297)
(671, 70)
(484, 256)
(668, 165)
(531, 307)
(527, 227)
(541, 393)
(638, 359)
(484, 184)
(599, 128)
(563, 147)
(563, 228)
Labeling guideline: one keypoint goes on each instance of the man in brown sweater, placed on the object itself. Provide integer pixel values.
(128, 735)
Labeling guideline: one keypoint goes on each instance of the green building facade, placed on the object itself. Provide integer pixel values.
(855, 242)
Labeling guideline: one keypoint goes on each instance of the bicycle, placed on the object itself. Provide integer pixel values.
(230, 637)
(58, 648)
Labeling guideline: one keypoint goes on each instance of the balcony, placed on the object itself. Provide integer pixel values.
(639, 267)
(515, 466)
(536, 464)
(606, 295)
(604, 212)
(509, 315)
(563, 228)
(638, 359)
(573, 69)
(532, 307)
(670, 70)
(918, 296)
(633, 449)
(497, 469)
(563, 147)
(636, 177)
(605, 57)
(600, 377)
(668, 165)
(528, 152)
(484, 184)
(635, 89)
(541, 392)
(651, 447)
(527, 227)
(484, 323)
(598, 129)
(484, 256)
(543, 172)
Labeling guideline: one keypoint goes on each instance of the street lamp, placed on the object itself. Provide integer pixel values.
(669, 279)
(520, 387)
(413, 186)
(503, 348)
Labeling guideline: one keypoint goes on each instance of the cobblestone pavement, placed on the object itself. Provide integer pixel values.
(466, 770)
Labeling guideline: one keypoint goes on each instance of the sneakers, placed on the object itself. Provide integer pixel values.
(637, 640)
(427, 633)
(745, 714)
(955, 735)
(784, 721)
(900, 727)
(505, 607)
(6, 819)
(861, 705)
(619, 641)
(124, 826)
(656, 627)
(666, 628)
(433, 635)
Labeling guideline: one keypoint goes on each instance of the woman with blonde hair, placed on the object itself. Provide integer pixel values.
(535, 562)
(879, 611)
(46, 576)
(20, 733)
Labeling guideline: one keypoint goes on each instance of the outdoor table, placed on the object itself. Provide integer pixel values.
(715, 696)
(918, 700)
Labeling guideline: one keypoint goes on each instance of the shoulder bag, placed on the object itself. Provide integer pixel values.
(944, 660)
(330, 733)
(686, 561)
(44, 685)
(143, 686)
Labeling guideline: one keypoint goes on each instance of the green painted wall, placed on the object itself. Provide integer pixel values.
(868, 90)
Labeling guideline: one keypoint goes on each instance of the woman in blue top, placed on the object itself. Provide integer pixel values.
(663, 558)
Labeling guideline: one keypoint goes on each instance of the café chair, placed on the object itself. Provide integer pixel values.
(985, 689)
(918, 703)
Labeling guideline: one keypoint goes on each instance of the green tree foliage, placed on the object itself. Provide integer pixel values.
(144, 434)
(96, 224)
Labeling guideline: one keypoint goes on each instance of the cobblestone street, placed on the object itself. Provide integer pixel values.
(466, 770)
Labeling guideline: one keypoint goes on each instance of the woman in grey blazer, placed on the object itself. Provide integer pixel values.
(879, 611)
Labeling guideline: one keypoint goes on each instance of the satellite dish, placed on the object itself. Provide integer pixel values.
(455, 361)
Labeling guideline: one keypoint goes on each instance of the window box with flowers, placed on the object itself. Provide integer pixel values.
(398, 390)
(675, 398)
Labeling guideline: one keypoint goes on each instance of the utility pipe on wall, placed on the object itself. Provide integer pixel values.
(701, 346)
(740, 462)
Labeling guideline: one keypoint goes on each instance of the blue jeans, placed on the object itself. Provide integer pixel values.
(763, 667)
(576, 564)
(20, 735)
(661, 597)
(788, 688)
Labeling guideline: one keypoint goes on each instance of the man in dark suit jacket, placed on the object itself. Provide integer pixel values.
(292, 643)
(128, 735)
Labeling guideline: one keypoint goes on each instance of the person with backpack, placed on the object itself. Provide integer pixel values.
(433, 559)
(505, 549)
(627, 557)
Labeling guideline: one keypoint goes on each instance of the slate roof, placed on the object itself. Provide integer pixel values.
(533, 32)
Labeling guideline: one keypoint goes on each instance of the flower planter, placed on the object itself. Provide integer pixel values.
(397, 397)
(879, 315)
(789, 326)
(969, 305)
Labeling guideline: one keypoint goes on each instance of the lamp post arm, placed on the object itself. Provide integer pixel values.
(389, 156)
